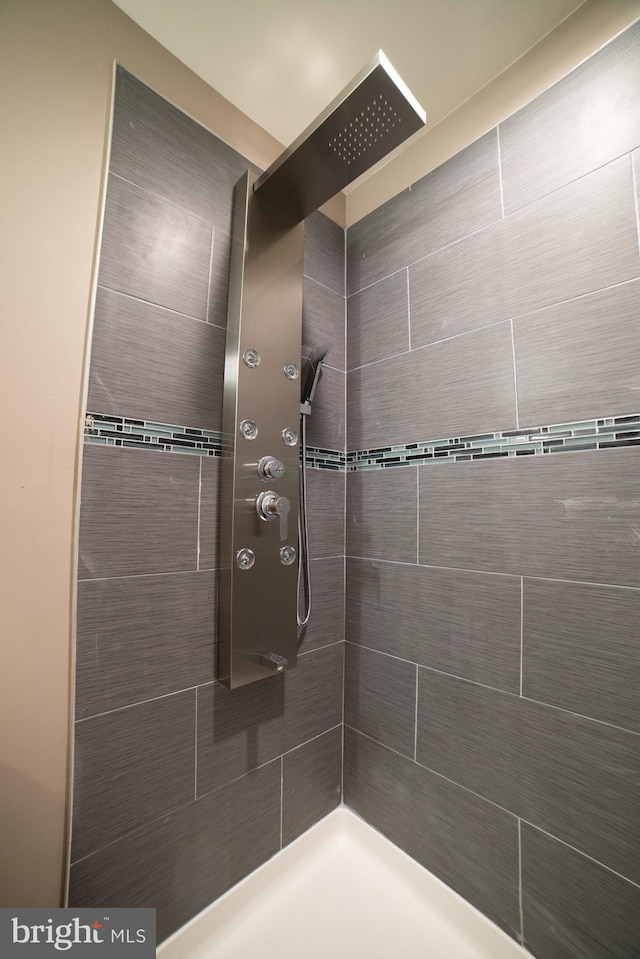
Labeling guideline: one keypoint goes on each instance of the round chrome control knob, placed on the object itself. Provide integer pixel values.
(269, 468)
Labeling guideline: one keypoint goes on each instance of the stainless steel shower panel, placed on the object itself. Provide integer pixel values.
(257, 623)
(373, 115)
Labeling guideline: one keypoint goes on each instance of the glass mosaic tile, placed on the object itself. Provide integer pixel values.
(606, 433)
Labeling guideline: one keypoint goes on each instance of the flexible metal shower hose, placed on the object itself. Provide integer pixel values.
(304, 573)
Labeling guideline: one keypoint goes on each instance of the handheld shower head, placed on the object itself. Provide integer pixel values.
(311, 368)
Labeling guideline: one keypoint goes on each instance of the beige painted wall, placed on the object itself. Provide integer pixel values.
(56, 60)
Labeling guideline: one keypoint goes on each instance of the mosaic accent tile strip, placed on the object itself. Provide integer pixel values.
(106, 430)
(142, 434)
(326, 459)
(608, 433)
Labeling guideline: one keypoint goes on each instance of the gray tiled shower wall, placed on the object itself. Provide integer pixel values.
(492, 655)
(493, 648)
(181, 787)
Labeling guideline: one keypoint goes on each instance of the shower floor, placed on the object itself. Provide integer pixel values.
(342, 891)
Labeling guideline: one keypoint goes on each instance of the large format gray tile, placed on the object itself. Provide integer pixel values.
(572, 906)
(483, 751)
(578, 360)
(326, 625)
(312, 783)
(378, 321)
(326, 428)
(209, 516)
(458, 198)
(182, 862)
(456, 621)
(468, 843)
(139, 637)
(151, 364)
(580, 239)
(131, 766)
(326, 503)
(323, 322)
(241, 729)
(566, 516)
(139, 512)
(580, 649)
(381, 514)
(380, 697)
(459, 387)
(573, 777)
(154, 250)
(324, 243)
(160, 148)
(587, 119)
(219, 279)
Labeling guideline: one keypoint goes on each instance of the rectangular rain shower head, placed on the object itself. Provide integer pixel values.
(373, 115)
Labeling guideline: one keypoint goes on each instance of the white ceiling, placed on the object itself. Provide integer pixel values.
(282, 61)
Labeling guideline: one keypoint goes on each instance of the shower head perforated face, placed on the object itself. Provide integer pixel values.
(369, 119)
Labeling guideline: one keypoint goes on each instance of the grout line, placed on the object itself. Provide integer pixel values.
(160, 196)
(496, 805)
(495, 223)
(572, 712)
(333, 555)
(172, 811)
(195, 783)
(527, 313)
(157, 306)
(634, 185)
(417, 518)
(500, 171)
(281, 795)
(316, 649)
(478, 572)
(581, 582)
(198, 524)
(307, 276)
(342, 762)
(213, 234)
(426, 346)
(344, 688)
(390, 748)
(515, 375)
(408, 309)
(432, 669)
(415, 732)
(521, 630)
(368, 286)
(325, 732)
(392, 356)
(434, 772)
(141, 702)
(498, 689)
(173, 572)
(582, 853)
(520, 880)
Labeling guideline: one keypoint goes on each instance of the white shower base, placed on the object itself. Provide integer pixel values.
(340, 891)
